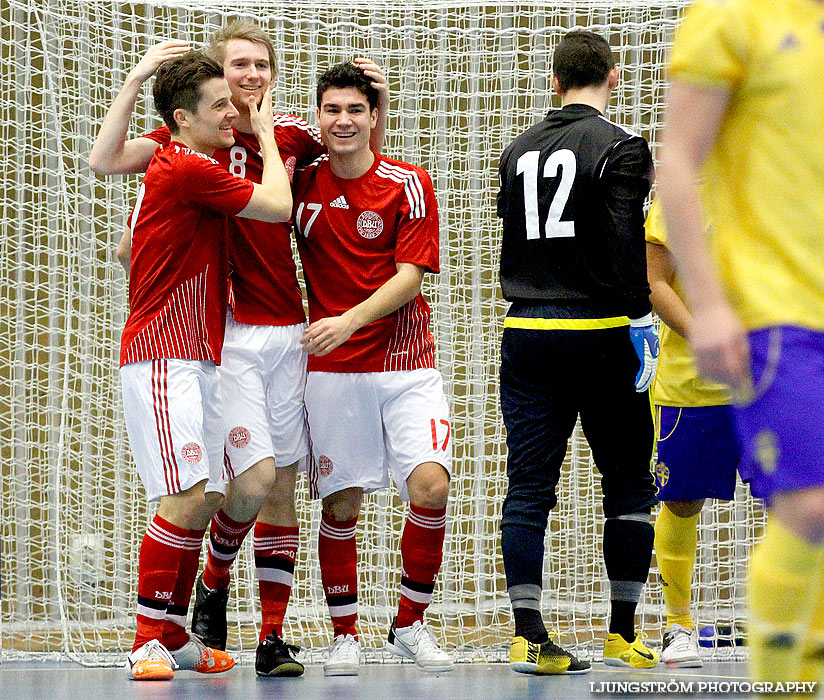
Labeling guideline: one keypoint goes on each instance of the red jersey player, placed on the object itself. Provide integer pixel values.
(367, 230)
(264, 369)
(173, 341)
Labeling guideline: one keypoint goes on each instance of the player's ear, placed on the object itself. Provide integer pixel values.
(556, 86)
(613, 78)
(181, 117)
(374, 118)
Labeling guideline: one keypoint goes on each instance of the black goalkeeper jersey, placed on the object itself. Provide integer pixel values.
(572, 195)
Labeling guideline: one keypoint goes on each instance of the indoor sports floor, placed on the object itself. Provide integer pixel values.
(51, 680)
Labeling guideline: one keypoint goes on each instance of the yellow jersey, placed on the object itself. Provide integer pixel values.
(677, 382)
(766, 169)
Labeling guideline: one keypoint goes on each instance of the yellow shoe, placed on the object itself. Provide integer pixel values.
(545, 659)
(619, 652)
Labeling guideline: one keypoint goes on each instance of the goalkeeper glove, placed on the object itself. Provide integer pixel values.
(644, 339)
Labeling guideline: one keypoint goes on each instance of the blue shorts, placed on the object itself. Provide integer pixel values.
(698, 453)
(782, 428)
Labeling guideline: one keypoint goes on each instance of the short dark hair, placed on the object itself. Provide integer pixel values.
(582, 59)
(346, 75)
(177, 84)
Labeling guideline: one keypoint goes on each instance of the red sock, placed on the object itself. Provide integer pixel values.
(275, 550)
(160, 552)
(338, 555)
(421, 554)
(174, 628)
(225, 537)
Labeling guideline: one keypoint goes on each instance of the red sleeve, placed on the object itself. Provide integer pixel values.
(418, 229)
(205, 182)
(161, 135)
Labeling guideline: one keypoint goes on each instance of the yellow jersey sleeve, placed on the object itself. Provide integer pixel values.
(766, 197)
(711, 47)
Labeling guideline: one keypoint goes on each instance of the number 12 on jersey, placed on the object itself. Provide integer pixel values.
(527, 166)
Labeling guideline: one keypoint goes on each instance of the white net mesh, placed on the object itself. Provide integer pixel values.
(466, 77)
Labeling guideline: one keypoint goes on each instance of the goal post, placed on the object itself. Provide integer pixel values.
(465, 78)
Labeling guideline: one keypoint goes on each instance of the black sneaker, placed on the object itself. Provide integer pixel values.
(209, 615)
(275, 657)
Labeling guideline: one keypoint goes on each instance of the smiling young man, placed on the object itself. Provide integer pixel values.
(173, 339)
(367, 230)
(264, 368)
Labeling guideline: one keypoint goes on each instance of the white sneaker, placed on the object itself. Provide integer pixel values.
(418, 643)
(344, 657)
(196, 656)
(151, 662)
(681, 648)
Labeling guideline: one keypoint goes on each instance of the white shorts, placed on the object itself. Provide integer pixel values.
(262, 378)
(365, 426)
(173, 417)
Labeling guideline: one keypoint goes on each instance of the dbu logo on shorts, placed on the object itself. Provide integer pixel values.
(325, 465)
(191, 452)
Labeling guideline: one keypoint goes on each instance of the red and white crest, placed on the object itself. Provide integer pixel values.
(239, 436)
(370, 224)
(191, 452)
(325, 465)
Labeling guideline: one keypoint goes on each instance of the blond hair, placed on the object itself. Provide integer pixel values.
(241, 28)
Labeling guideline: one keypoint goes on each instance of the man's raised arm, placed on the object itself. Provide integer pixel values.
(112, 153)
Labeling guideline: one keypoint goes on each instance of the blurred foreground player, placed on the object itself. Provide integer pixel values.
(578, 339)
(744, 113)
(367, 230)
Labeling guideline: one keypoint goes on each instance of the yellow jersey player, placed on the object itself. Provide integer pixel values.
(745, 113)
(698, 448)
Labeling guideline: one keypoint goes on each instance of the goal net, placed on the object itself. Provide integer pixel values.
(465, 78)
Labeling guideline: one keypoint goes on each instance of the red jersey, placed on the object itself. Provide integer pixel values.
(351, 233)
(264, 290)
(177, 285)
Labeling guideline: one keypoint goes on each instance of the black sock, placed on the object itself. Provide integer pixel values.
(530, 625)
(622, 618)
(627, 555)
(523, 550)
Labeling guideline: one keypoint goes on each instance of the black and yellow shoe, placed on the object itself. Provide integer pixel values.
(619, 652)
(547, 659)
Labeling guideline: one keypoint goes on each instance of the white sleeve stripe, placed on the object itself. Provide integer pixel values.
(412, 186)
(415, 206)
(396, 168)
(420, 193)
(298, 123)
(622, 128)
